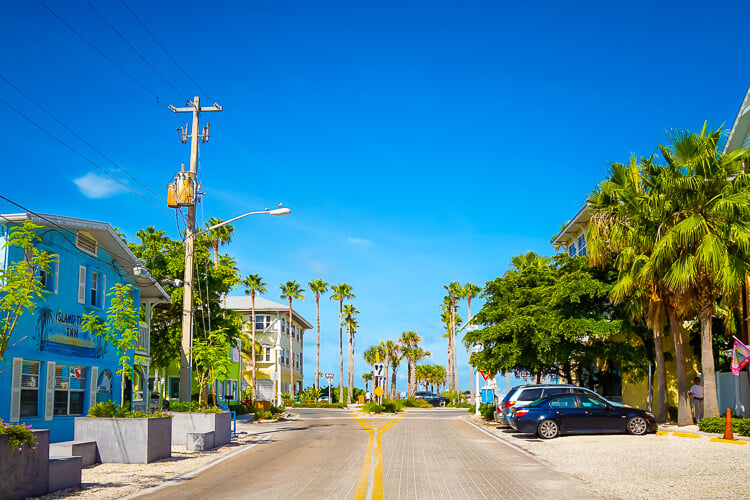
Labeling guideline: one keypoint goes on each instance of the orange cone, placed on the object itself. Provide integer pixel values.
(728, 428)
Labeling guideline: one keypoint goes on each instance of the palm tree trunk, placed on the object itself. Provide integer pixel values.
(350, 379)
(252, 379)
(393, 382)
(291, 352)
(451, 386)
(317, 343)
(661, 377)
(683, 402)
(341, 351)
(710, 401)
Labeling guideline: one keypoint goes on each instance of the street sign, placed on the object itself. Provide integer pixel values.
(483, 375)
(378, 391)
(378, 370)
(329, 376)
(274, 376)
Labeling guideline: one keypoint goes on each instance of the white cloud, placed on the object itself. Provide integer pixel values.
(360, 242)
(98, 186)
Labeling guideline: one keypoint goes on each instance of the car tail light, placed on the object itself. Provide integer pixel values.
(508, 404)
(521, 413)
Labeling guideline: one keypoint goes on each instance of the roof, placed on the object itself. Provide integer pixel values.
(580, 220)
(740, 127)
(106, 238)
(244, 303)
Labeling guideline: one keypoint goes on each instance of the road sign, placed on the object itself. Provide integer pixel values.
(483, 375)
(378, 370)
(329, 376)
(378, 391)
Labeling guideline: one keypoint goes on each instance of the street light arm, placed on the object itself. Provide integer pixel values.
(275, 211)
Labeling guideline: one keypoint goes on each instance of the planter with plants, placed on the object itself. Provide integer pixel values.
(24, 461)
(192, 417)
(124, 436)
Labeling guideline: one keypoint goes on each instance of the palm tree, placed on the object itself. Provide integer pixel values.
(470, 291)
(409, 343)
(340, 292)
(350, 318)
(706, 249)
(393, 357)
(254, 285)
(423, 374)
(438, 376)
(43, 320)
(455, 291)
(291, 290)
(222, 234)
(250, 353)
(317, 286)
(367, 377)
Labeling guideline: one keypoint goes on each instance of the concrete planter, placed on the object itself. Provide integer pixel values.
(127, 440)
(24, 473)
(188, 422)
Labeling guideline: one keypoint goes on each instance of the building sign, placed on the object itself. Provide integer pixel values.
(65, 335)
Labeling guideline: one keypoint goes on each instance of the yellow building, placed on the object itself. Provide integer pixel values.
(272, 332)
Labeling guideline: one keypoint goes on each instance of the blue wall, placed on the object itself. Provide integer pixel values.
(54, 333)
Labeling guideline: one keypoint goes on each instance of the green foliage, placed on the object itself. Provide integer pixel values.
(109, 409)
(310, 395)
(372, 408)
(319, 405)
(20, 286)
(165, 258)
(390, 406)
(717, 425)
(415, 403)
(487, 411)
(211, 358)
(19, 436)
(276, 410)
(463, 405)
(287, 399)
(192, 406)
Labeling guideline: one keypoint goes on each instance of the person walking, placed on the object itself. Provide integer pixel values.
(696, 399)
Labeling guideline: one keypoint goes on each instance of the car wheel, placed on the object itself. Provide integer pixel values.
(548, 429)
(637, 426)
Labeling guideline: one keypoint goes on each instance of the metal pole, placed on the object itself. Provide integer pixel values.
(477, 396)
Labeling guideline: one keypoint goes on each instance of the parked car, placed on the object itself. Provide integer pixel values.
(579, 414)
(432, 398)
(524, 394)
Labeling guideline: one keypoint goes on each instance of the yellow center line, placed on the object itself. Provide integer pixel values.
(377, 486)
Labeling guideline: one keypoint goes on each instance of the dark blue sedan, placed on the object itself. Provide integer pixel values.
(579, 414)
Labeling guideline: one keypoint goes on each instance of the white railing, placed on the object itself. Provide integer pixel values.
(144, 337)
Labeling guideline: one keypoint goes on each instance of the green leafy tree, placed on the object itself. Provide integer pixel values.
(318, 287)
(291, 290)
(120, 328)
(254, 285)
(409, 344)
(367, 377)
(212, 359)
(341, 292)
(20, 286)
(220, 235)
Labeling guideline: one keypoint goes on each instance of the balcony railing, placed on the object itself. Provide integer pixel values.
(144, 337)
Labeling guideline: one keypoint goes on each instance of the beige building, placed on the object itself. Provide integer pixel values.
(272, 331)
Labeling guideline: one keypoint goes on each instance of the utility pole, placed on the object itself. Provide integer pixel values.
(186, 364)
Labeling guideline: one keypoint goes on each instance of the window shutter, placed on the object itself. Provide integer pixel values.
(103, 292)
(81, 284)
(94, 374)
(15, 390)
(49, 400)
(57, 272)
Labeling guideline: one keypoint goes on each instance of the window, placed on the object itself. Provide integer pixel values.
(94, 289)
(566, 402)
(572, 250)
(49, 278)
(261, 321)
(530, 395)
(268, 353)
(551, 391)
(86, 243)
(588, 402)
(70, 382)
(30, 389)
(104, 387)
(582, 245)
(174, 387)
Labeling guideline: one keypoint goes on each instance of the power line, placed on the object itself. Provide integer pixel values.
(165, 51)
(181, 94)
(99, 51)
(78, 153)
(81, 138)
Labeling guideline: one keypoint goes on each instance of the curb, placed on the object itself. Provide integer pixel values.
(698, 436)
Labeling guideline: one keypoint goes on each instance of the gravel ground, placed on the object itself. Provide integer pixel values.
(643, 467)
(110, 481)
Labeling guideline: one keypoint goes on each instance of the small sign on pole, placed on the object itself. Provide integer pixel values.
(378, 370)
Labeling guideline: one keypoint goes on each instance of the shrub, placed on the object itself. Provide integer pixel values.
(372, 408)
(415, 403)
(390, 406)
(487, 411)
(464, 405)
(717, 425)
(192, 406)
(319, 405)
(276, 410)
(108, 409)
(18, 436)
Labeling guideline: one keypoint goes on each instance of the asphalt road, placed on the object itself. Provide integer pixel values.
(332, 454)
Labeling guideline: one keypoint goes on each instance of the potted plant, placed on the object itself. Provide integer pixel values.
(24, 461)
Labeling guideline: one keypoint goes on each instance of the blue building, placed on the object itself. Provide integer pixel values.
(54, 370)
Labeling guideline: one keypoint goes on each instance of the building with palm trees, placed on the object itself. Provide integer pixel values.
(272, 329)
(55, 369)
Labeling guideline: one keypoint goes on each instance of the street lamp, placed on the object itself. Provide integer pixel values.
(478, 347)
(277, 349)
(186, 363)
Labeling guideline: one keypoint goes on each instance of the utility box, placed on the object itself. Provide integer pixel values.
(360, 399)
(181, 192)
(488, 396)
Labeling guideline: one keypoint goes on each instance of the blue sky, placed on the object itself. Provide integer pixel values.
(417, 143)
